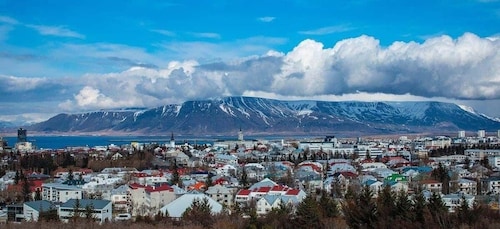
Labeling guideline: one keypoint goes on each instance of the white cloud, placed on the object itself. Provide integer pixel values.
(207, 35)
(58, 31)
(266, 19)
(167, 33)
(441, 68)
(8, 20)
(327, 30)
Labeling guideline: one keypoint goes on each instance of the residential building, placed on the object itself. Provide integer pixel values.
(433, 186)
(467, 186)
(57, 192)
(102, 210)
(453, 201)
(32, 209)
(221, 194)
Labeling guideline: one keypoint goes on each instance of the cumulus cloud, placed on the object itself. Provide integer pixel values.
(441, 68)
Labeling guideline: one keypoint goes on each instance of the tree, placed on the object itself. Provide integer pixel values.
(176, 180)
(244, 178)
(329, 206)
(76, 210)
(360, 211)
(89, 212)
(308, 213)
(38, 194)
(17, 177)
(419, 208)
(26, 189)
(199, 213)
(70, 177)
(280, 217)
(209, 182)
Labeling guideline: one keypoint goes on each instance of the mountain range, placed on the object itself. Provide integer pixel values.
(269, 116)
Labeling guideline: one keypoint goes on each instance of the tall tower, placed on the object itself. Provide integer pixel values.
(172, 141)
(22, 136)
(481, 133)
(461, 134)
(240, 135)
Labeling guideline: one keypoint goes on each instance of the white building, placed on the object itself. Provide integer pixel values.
(56, 192)
(221, 194)
(481, 133)
(32, 209)
(102, 210)
(453, 201)
(494, 161)
(461, 134)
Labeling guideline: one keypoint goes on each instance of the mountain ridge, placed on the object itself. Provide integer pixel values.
(259, 115)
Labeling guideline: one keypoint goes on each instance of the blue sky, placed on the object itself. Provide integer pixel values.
(74, 56)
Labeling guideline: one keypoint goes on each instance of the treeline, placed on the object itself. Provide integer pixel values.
(359, 210)
(398, 210)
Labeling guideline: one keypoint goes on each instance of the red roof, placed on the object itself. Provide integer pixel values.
(292, 192)
(279, 188)
(262, 189)
(244, 192)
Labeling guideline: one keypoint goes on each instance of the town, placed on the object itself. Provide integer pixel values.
(323, 182)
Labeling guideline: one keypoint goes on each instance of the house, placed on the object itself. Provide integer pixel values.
(102, 210)
(433, 186)
(32, 209)
(176, 208)
(56, 192)
(221, 194)
(490, 185)
(467, 186)
(147, 200)
(119, 198)
(453, 201)
(15, 212)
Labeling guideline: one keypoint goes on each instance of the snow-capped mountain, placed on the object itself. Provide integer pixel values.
(258, 115)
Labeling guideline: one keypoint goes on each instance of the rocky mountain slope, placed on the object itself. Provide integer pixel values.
(258, 115)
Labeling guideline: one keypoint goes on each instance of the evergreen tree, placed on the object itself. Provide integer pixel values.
(209, 182)
(244, 178)
(328, 206)
(360, 211)
(89, 212)
(76, 210)
(70, 177)
(17, 177)
(38, 194)
(419, 208)
(26, 189)
(308, 214)
(176, 180)
(403, 207)
(199, 213)
(438, 211)
(280, 217)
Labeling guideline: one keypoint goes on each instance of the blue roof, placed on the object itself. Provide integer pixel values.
(420, 169)
(40, 205)
(96, 204)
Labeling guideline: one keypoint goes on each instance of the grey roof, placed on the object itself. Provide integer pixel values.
(40, 205)
(96, 204)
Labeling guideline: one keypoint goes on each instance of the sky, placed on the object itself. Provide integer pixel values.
(59, 56)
